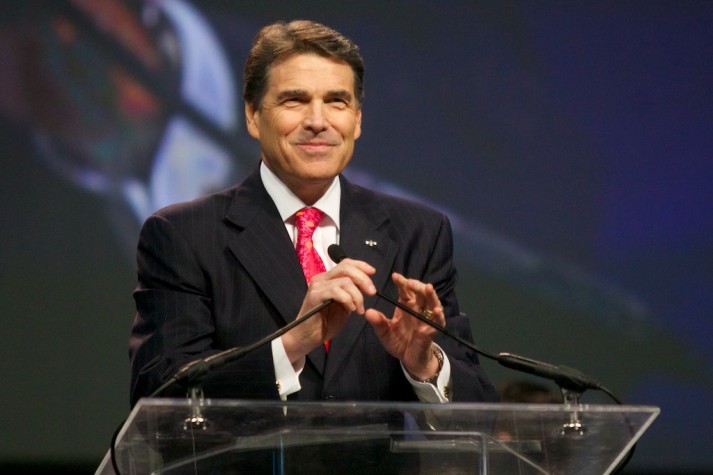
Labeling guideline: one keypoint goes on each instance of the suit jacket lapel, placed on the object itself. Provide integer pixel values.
(363, 237)
(262, 246)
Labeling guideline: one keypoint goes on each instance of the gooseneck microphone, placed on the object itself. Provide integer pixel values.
(566, 378)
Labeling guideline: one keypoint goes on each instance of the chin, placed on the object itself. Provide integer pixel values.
(323, 171)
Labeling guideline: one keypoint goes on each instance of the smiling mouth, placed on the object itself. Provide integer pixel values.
(315, 146)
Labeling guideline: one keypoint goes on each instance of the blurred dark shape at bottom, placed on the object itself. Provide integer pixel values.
(49, 467)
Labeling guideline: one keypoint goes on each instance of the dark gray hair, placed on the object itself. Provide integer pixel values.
(280, 40)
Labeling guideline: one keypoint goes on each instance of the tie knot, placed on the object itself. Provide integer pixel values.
(307, 219)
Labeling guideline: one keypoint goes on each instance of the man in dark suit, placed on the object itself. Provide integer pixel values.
(222, 271)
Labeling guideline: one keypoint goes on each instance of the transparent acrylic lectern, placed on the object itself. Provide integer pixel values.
(223, 436)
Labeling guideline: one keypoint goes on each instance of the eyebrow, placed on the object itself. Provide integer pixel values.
(291, 93)
(301, 94)
(340, 94)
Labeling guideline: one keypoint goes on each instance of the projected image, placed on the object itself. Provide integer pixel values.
(134, 104)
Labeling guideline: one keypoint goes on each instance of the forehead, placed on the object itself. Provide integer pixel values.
(310, 72)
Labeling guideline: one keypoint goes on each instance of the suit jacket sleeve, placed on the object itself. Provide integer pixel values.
(468, 380)
(175, 321)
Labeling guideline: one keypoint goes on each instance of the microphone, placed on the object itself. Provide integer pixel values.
(566, 378)
(191, 373)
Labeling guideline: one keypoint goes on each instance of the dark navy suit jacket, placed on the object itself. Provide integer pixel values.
(221, 271)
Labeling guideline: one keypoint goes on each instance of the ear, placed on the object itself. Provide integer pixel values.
(252, 117)
(357, 129)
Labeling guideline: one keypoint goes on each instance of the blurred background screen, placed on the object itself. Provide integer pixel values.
(570, 143)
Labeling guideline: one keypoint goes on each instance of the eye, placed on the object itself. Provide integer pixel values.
(292, 98)
(339, 103)
(292, 101)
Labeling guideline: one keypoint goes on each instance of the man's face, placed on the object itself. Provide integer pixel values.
(308, 122)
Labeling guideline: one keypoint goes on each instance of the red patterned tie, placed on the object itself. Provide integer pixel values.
(307, 220)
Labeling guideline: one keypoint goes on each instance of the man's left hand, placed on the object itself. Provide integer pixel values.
(406, 337)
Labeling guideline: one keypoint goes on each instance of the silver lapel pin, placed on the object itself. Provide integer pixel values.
(370, 243)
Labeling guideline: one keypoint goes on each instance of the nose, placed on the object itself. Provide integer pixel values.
(315, 119)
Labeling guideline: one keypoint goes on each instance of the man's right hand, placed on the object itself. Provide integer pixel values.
(345, 284)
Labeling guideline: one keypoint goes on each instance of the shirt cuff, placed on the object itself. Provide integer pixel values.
(287, 376)
(439, 392)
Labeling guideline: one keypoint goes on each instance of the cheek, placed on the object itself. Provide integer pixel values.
(348, 126)
(285, 122)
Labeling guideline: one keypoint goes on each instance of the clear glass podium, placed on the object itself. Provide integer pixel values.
(223, 436)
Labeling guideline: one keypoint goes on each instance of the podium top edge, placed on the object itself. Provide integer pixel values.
(453, 406)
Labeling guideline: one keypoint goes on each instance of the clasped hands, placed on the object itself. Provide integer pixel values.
(403, 336)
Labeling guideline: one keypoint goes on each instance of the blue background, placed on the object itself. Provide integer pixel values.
(570, 142)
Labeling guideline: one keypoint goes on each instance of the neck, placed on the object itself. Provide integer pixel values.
(310, 195)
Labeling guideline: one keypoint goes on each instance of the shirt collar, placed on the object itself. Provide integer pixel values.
(288, 203)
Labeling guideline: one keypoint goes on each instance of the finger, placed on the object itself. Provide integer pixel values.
(402, 286)
(358, 272)
(348, 297)
(342, 290)
(363, 266)
(439, 314)
(426, 296)
(432, 300)
(433, 309)
(379, 322)
(424, 299)
(416, 293)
